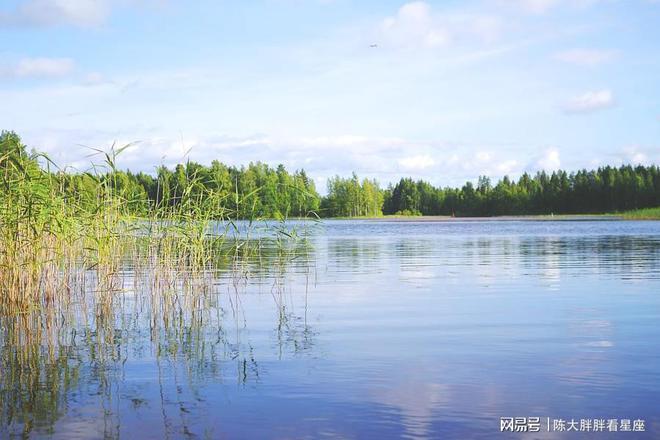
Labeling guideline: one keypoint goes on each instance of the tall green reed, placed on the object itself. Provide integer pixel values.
(57, 242)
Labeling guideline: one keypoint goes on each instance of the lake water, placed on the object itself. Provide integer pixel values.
(374, 330)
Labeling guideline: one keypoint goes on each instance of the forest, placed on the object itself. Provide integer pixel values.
(261, 191)
(605, 190)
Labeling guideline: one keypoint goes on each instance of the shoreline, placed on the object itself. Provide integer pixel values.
(530, 218)
(448, 219)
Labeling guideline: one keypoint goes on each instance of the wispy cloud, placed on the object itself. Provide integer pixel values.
(637, 155)
(585, 57)
(549, 160)
(539, 7)
(418, 162)
(95, 79)
(590, 101)
(82, 13)
(38, 68)
(416, 25)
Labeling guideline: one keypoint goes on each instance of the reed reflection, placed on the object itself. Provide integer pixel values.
(179, 327)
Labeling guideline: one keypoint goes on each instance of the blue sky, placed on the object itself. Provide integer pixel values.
(452, 90)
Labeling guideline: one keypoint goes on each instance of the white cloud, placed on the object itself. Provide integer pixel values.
(418, 162)
(635, 155)
(585, 57)
(548, 161)
(413, 26)
(80, 13)
(590, 101)
(39, 68)
(631, 154)
(94, 79)
(507, 166)
(483, 156)
(416, 25)
(538, 6)
(639, 158)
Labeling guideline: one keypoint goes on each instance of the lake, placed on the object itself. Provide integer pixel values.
(367, 329)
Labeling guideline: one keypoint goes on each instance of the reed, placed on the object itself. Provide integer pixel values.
(643, 214)
(77, 272)
(57, 244)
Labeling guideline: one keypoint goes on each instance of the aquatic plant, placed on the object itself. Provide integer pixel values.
(78, 269)
(58, 241)
(643, 214)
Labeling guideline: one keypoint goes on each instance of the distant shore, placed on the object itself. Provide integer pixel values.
(440, 218)
(643, 214)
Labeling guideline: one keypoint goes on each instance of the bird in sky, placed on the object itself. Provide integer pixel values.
(373, 45)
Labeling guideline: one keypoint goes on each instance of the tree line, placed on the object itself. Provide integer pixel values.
(607, 189)
(261, 191)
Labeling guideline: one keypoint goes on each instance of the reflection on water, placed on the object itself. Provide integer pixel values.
(366, 329)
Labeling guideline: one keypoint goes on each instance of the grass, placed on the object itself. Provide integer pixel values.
(642, 214)
(54, 245)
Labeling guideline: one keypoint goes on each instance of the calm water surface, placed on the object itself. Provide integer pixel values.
(373, 330)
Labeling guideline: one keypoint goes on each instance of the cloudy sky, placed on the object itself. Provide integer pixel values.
(441, 90)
